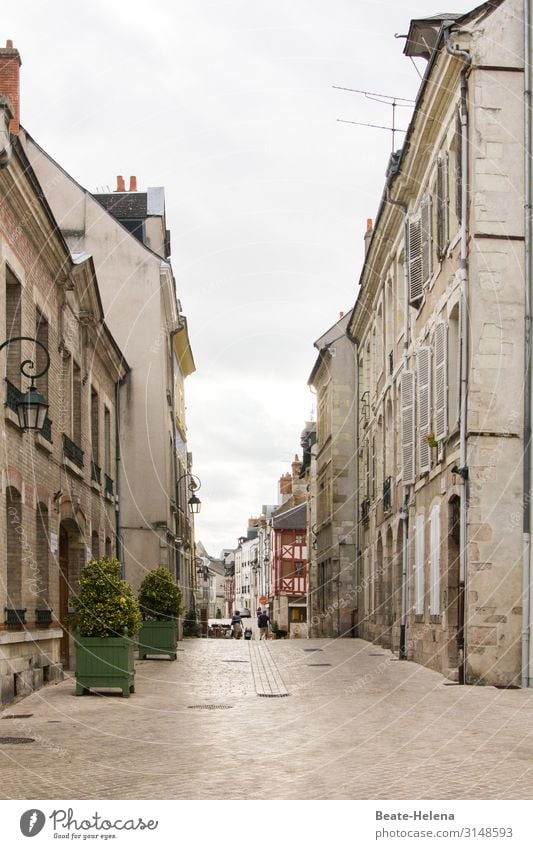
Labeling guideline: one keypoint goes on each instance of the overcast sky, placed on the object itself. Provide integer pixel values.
(230, 107)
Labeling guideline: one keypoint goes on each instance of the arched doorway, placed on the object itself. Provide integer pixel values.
(397, 569)
(72, 558)
(64, 592)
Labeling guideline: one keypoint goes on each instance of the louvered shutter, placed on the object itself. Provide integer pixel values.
(419, 565)
(407, 400)
(414, 254)
(458, 166)
(423, 368)
(434, 562)
(443, 199)
(426, 239)
(441, 380)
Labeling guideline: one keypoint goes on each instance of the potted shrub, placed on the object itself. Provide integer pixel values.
(107, 617)
(160, 606)
(191, 626)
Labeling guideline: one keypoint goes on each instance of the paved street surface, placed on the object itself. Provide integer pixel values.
(273, 720)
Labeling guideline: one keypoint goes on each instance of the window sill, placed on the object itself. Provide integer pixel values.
(43, 443)
(11, 417)
(72, 467)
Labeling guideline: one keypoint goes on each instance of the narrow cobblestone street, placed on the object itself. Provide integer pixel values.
(278, 720)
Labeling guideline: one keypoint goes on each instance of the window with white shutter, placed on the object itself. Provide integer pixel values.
(434, 561)
(419, 565)
(441, 380)
(423, 369)
(407, 400)
(443, 200)
(426, 237)
(414, 258)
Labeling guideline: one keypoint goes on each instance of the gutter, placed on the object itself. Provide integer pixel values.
(526, 679)
(464, 345)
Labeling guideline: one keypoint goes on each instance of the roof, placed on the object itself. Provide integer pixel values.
(296, 517)
(124, 205)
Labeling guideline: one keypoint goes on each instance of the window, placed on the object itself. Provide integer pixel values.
(442, 198)
(14, 548)
(13, 328)
(107, 440)
(453, 369)
(76, 404)
(95, 545)
(419, 565)
(39, 584)
(95, 426)
(41, 334)
(297, 614)
(298, 568)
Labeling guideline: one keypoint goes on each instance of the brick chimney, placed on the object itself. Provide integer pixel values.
(285, 487)
(10, 63)
(133, 184)
(121, 186)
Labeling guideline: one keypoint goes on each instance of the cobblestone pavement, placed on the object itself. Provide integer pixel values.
(356, 724)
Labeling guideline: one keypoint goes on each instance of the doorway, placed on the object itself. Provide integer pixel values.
(64, 593)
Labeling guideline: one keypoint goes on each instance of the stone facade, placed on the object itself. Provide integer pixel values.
(333, 532)
(420, 299)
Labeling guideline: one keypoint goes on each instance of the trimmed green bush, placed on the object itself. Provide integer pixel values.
(159, 596)
(191, 626)
(105, 604)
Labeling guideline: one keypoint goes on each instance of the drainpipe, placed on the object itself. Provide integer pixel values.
(528, 277)
(463, 469)
(404, 515)
(118, 540)
(404, 512)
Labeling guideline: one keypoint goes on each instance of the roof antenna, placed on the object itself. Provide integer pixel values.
(388, 100)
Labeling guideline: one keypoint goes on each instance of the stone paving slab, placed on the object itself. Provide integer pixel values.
(366, 727)
(268, 681)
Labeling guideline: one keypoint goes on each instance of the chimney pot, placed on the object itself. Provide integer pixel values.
(120, 184)
(10, 81)
(133, 184)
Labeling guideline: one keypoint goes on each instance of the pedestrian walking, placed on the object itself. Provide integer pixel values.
(263, 621)
(236, 625)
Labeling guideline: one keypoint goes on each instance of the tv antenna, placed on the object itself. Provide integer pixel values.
(389, 100)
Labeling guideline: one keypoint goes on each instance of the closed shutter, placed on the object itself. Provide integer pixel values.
(426, 239)
(407, 400)
(414, 257)
(419, 565)
(443, 200)
(434, 562)
(423, 368)
(458, 165)
(441, 380)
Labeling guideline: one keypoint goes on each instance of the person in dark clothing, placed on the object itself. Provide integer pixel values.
(236, 624)
(263, 620)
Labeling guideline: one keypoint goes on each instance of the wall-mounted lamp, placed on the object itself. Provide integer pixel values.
(32, 408)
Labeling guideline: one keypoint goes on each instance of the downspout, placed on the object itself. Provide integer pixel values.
(528, 277)
(118, 459)
(404, 512)
(463, 399)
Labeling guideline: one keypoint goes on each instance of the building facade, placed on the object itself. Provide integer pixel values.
(333, 529)
(438, 325)
(58, 485)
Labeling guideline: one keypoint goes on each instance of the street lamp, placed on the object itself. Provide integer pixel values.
(32, 408)
(193, 485)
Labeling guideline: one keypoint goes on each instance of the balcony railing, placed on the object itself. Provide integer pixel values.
(72, 451)
(365, 511)
(96, 473)
(108, 485)
(387, 493)
(15, 617)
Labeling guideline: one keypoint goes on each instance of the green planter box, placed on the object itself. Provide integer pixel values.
(104, 662)
(158, 638)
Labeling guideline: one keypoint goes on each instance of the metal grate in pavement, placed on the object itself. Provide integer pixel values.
(319, 664)
(235, 661)
(4, 741)
(312, 649)
(16, 716)
(209, 707)
(267, 677)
